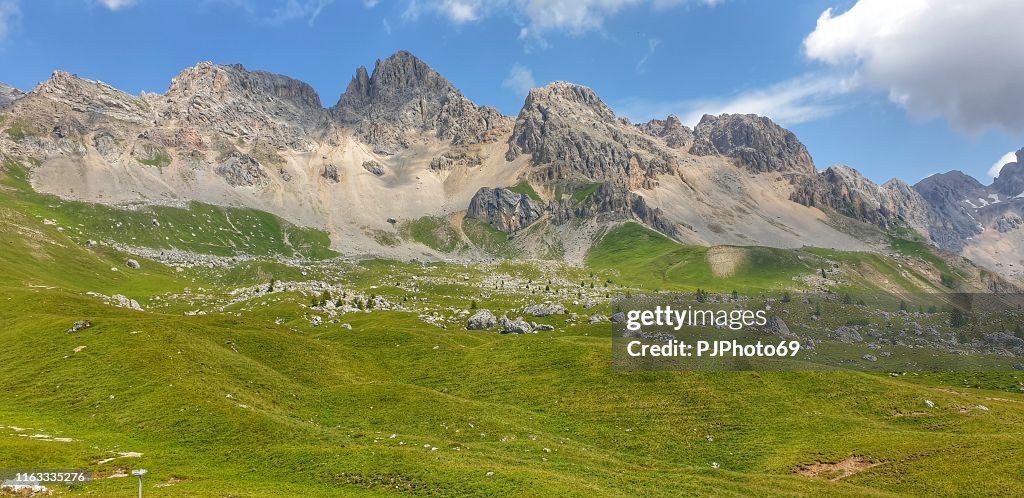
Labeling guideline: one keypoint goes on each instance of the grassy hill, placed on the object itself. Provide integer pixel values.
(249, 398)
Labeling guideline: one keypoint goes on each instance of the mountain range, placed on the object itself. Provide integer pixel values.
(405, 166)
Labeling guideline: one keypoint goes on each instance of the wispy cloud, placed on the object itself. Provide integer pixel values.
(117, 4)
(10, 12)
(652, 45)
(292, 10)
(540, 17)
(794, 101)
(519, 80)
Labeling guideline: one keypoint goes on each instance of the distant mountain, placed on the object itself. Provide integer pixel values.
(402, 145)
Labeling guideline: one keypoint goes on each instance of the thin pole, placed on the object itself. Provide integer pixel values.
(140, 485)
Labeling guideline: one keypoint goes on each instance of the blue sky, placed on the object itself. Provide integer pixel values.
(900, 89)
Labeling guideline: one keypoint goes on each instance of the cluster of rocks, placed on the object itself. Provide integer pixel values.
(485, 320)
(118, 300)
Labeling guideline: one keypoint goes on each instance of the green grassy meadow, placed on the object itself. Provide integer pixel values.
(250, 398)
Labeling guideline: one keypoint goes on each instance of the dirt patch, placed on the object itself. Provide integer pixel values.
(838, 470)
(725, 261)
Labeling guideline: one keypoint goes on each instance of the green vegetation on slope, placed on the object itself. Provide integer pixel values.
(524, 187)
(434, 232)
(200, 228)
(651, 260)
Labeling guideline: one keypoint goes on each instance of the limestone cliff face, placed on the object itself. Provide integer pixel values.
(573, 134)
(505, 210)
(756, 142)
(236, 103)
(404, 95)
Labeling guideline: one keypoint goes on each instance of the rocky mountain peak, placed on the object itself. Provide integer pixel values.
(569, 130)
(92, 97)
(9, 94)
(951, 182)
(671, 130)
(568, 97)
(404, 95)
(755, 141)
(236, 102)
(395, 82)
(1010, 181)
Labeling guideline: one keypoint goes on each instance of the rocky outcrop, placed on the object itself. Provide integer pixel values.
(240, 170)
(405, 95)
(330, 173)
(847, 192)
(675, 134)
(8, 94)
(482, 320)
(373, 167)
(754, 141)
(505, 210)
(517, 326)
(950, 222)
(573, 134)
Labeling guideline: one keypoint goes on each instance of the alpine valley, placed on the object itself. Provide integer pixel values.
(248, 293)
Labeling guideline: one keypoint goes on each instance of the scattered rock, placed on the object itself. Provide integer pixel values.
(848, 335)
(598, 318)
(373, 167)
(546, 309)
(517, 326)
(133, 264)
(78, 326)
(482, 320)
(929, 403)
(870, 357)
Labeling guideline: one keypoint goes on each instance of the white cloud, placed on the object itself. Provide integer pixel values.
(955, 59)
(117, 4)
(10, 12)
(539, 16)
(519, 80)
(790, 102)
(1009, 157)
(371, 3)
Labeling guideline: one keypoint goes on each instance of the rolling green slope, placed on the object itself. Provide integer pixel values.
(251, 399)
